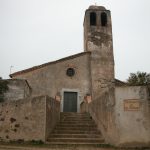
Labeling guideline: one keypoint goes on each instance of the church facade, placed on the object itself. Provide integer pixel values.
(86, 74)
(84, 82)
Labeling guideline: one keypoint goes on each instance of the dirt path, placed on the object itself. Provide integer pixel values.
(28, 147)
(9, 147)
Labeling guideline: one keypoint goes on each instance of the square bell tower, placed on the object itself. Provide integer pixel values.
(98, 40)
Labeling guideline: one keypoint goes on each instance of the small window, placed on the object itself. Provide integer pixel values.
(103, 19)
(70, 72)
(93, 19)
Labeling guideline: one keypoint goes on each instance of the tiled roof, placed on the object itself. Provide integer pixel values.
(46, 64)
(120, 83)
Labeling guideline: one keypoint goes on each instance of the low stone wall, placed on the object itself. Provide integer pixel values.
(27, 119)
(52, 115)
(132, 113)
(83, 107)
(102, 111)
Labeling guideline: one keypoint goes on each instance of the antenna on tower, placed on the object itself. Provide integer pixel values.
(11, 69)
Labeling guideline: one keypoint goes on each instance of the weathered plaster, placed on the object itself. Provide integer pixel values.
(133, 125)
(28, 119)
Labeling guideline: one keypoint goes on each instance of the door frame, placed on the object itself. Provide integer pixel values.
(62, 99)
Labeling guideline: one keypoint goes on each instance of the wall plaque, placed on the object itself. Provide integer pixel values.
(131, 105)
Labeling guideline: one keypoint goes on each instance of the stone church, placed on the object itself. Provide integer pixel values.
(79, 83)
(73, 78)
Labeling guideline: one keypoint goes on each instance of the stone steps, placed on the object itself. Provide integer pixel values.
(77, 122)
(77, 143)
(75, 132)
(76, 135)
(75, 128)
(75, 125)
(76, 140)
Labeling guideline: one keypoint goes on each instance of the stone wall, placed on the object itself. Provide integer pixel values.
(133, 115)
(102, 111)
(52, 115)
(27, 119)
(17, 89)
(122, 115)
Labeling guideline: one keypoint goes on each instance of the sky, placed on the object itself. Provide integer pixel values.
(33, 32)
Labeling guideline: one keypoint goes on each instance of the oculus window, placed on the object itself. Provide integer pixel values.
(70, 72)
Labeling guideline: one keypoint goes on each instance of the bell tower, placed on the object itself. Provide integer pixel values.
(98, 40)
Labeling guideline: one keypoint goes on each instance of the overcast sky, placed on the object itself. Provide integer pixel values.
(33, 32)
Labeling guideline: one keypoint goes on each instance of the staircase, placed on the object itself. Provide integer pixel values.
(75, 128)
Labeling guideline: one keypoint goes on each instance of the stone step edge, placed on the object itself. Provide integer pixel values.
(72, 121)
(76, 128)
(74, 125)
(62, 138)
(75, 143)
(78, 113)
(75, 132)
(75, 135)
(77, 123)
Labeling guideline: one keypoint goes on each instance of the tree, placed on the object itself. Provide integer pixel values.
(139, 78)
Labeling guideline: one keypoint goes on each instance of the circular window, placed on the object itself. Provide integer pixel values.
(70, 72)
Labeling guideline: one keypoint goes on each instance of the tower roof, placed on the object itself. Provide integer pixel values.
(94, 7)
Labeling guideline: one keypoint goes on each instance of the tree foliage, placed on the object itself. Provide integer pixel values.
(139, 78)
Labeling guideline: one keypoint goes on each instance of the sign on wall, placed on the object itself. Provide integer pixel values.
(132, 105)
